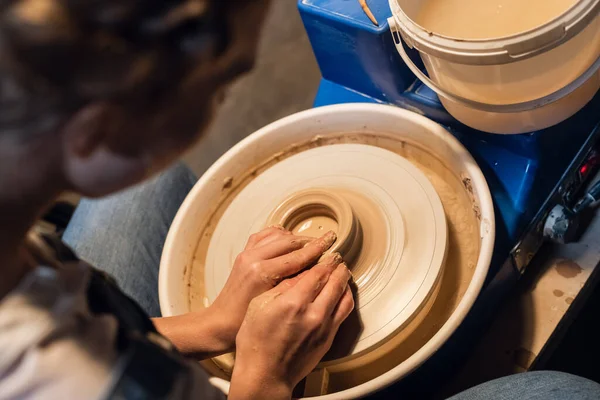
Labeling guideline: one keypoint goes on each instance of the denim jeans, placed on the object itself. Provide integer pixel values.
(124, 234)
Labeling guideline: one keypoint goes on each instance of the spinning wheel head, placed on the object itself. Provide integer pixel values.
(388, 217)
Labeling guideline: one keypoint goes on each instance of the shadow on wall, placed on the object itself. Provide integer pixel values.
(284, 80)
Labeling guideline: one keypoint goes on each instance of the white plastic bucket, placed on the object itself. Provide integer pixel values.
(322, 123)
(514, 84)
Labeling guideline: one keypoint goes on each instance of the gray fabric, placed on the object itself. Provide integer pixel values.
(540, 385)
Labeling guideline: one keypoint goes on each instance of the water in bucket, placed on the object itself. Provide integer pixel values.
(486, 19)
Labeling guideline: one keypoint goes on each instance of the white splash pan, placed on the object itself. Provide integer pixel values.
(186, 229)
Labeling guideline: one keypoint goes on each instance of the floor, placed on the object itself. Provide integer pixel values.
(284, 81)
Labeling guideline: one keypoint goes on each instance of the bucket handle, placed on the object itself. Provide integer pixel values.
(495, 108)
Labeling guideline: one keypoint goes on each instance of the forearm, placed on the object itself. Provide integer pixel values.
(201, 334)
(246, 385)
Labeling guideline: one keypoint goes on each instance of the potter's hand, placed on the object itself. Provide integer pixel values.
(288, 329)
(270, 256)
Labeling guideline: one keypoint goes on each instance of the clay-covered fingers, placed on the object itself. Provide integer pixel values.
(314, 280)
(343, 309)
(265, 235)
(334, 289)
(294, 262)
(291, 282)
(279, 246)
(284, 286)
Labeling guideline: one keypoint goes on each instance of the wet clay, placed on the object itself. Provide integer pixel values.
(364, 265)
(569, 300)
(315, 211)
(568, 269)
(315, 226)
(363, 249)
(461, 258)
(486, 19)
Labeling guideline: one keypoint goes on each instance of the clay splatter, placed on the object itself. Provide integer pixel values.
(468, 185)
(227, 182)
(477, 212)
(569, 300)
(568, 268)
(558, 293)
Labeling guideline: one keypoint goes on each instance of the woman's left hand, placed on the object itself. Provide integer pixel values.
(269, 257)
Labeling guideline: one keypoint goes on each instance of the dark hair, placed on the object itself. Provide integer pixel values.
(59, 55)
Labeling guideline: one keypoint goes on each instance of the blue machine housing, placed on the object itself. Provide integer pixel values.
(527, 174)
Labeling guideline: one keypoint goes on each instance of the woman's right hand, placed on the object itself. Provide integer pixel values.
(288, 329)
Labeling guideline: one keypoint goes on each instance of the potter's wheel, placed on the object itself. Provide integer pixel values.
(390, 223)
(241, 175)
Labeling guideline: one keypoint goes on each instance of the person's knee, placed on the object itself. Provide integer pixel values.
(565, 381)
(540, 385)
(557, 377)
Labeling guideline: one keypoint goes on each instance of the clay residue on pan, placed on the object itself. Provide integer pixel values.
(461, 259)
(227, 183)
